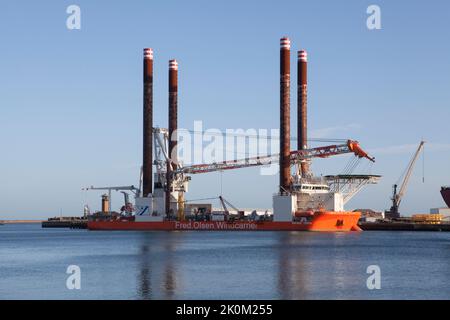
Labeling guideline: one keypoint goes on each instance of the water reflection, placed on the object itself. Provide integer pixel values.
(312, 266)
(170, 283)
(292, 267)
(286, 265)
(224, 265)
(144, 275)
(157, 272)
(344, 272)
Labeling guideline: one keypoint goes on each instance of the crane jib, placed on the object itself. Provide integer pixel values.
(296, 156)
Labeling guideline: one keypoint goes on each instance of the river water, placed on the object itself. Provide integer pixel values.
(222, 265)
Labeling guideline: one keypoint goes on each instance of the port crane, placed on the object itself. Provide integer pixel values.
(397, 195)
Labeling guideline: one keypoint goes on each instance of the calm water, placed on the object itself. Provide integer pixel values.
(221, 265)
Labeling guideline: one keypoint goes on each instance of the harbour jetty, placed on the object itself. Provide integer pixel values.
(65, 222)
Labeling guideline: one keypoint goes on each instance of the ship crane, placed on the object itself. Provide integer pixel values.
(224, 205)
(296, 156)
(397, 195)
(347, 185)
(131, 188)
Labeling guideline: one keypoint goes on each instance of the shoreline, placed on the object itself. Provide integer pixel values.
(19, 221)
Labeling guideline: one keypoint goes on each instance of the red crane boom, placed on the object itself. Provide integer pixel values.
(350, 146)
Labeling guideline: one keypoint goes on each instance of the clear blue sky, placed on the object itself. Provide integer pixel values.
(71, 100)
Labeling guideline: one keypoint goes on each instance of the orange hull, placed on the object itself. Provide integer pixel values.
(321, 221)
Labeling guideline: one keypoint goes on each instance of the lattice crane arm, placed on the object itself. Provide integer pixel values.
(350, 146)
(402, 191)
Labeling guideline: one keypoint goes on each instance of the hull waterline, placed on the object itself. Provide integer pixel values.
(323, 222)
